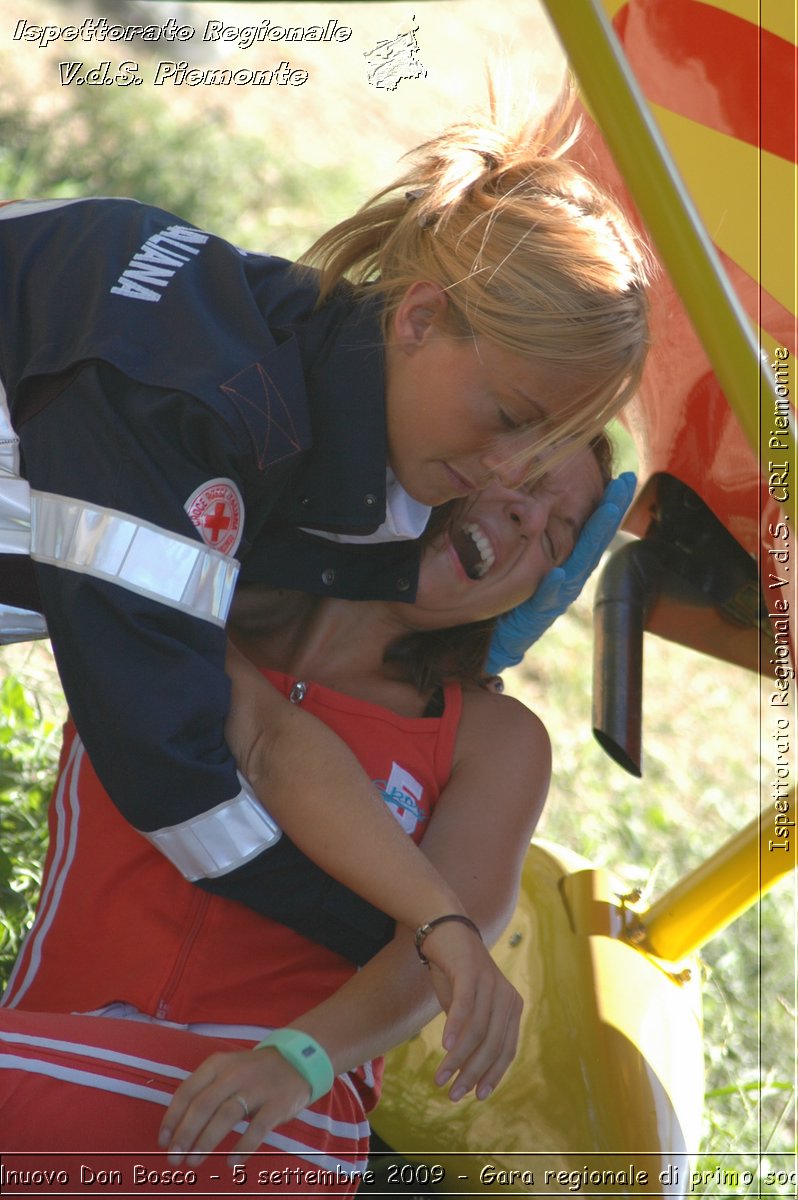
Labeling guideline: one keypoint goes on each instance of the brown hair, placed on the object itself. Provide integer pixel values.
(532, 255)
(426, 658)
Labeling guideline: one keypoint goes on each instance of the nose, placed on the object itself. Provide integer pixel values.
(529, 512)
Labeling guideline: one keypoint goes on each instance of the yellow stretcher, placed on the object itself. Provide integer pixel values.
(608, 1083)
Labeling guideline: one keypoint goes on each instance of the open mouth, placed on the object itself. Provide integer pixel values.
(474, 550)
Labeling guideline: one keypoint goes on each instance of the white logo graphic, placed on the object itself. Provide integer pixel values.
(403, 794)
(395, 59)
(217, 511)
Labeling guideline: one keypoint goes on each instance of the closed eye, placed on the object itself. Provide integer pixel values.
(565, 542)
(509, 422)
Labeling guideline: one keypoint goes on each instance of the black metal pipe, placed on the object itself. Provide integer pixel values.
(627, 588)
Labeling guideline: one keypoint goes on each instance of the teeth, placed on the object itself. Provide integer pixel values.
(483, 546)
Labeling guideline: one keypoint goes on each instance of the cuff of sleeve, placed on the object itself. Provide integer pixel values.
(216, 842)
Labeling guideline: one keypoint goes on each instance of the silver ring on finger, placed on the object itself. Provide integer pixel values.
(243, 1104)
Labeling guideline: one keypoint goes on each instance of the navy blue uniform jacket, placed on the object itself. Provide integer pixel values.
(143, 361)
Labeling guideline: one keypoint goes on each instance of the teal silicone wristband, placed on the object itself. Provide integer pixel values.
(306, 1056)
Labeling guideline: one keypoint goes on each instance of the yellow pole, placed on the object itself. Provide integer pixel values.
(711, 897)
(657, 189)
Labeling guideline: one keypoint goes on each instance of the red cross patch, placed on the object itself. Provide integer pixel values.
(216, 509)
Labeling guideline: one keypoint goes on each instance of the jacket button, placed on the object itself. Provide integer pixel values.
(305, 501)
(328, 576)
(402, 584)
(370, 500)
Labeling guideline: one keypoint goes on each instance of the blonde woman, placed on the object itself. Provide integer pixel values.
(183, 405)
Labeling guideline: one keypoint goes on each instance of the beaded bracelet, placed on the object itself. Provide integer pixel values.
(306, 1056)
(424, 930)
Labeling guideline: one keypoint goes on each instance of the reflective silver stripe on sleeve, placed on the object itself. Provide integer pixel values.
(14, 514)
(9, 442)
(20, 625)
(16, 624)
(29, 208)
(14, 492)
(168, 567)
(216, 842)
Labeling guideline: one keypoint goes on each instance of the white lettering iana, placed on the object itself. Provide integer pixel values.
(156, 263)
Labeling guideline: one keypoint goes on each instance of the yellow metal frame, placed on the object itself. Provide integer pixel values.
(723, 887)
(655, 184)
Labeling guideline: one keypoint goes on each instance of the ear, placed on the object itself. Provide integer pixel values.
(420, 313)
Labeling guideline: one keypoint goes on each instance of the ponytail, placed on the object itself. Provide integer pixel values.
(532, 255)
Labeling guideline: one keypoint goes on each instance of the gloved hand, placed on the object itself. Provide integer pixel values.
(523, 625)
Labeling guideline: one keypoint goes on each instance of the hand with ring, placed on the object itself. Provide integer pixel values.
(254, 1086)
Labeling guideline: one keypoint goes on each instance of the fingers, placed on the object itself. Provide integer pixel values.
(258, 1129)
(603, 524)
(620, 491)
(470, 1027)
(468, 1015)
(481, 1055)
(187, 1095)
(254, 1086)
(483, 1014)
(206, 1124)
(204, 1110)
(547, 593)
(482, 1070)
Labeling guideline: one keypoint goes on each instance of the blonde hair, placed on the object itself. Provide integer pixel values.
(531, 254)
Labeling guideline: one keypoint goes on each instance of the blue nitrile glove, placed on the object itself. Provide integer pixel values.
(519, 628)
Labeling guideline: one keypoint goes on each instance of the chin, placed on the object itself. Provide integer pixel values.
(430, 495)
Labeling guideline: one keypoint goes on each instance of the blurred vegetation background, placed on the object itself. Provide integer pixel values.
(225, 164)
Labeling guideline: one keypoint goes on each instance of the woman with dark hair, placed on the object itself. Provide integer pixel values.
(463, 769)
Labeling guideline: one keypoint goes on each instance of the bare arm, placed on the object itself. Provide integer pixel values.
(477, 838)
(294, 763)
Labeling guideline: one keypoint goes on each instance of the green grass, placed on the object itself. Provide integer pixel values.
(29, 742)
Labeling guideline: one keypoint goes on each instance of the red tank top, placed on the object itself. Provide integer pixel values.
(116, 922)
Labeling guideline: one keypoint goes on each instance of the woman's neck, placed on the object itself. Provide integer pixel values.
(338, 643)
